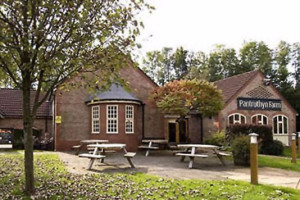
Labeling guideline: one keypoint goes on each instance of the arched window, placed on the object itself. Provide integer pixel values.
(259, 119)
(237, 118)
(280, 124)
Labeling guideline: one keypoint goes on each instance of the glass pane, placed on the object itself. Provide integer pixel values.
(285, 125)
(243, 120)
(254, 120)
(280, 128)
(236, 117)
(275, 125)
(231, 119)
(259, 117)
(265, 122)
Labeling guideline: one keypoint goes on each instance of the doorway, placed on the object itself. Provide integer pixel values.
(178, 131)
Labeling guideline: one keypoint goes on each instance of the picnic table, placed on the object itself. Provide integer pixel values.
(152, 144)
(99, 153)
(78, 148)
(191, 152)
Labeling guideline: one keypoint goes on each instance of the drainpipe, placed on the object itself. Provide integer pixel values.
(201, 129)
(143, 120)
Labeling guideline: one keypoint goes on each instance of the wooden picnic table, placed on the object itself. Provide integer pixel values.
(191, 152)
(99, 153)
(78, 148)
(152, 144)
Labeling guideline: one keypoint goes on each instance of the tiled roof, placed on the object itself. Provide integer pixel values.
(231, 85)
(116, 92)
(11, 104)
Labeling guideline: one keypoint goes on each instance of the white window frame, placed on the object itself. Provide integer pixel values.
(236, 121)
(280, 122)
(112, 118)
(261, 122)
(129, 119)
(94, 119)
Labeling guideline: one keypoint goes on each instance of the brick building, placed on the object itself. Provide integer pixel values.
(122, 116)
(11, 111)
(251, 98)
(116, 115)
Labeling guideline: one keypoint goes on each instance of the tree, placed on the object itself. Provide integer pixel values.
(197, 66)
(256, 55)
(43, 43)
(180, 63)
(222, 63)
(183, 96)
(152, 65)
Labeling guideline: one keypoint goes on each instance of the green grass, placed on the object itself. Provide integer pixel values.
(278, 162)
(54, 182)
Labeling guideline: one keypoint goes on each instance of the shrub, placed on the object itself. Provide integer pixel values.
(217, 138)
(241, 151)
(264, 132)
(272, 148)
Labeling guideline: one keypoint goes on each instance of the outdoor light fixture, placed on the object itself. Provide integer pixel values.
(267, 81)
(293, 136)
(253, 138)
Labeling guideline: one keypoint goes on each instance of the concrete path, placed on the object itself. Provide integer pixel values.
(164, 164)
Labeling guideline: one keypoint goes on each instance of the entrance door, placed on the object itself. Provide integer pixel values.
(178, 131)
(172, 132)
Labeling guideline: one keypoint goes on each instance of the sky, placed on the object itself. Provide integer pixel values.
(198, 25)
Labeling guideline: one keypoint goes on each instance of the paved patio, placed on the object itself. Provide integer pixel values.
(164, 164)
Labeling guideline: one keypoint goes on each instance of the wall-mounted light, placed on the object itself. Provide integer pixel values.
(266, 81)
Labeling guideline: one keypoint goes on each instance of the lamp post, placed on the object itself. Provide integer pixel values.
(293, 146)
(253, 158)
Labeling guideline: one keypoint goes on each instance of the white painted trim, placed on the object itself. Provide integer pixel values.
(117, 116)
(287, 125)
(113, 102)
(131, 119)
(239, 118)
(262, 118)
(93, 132)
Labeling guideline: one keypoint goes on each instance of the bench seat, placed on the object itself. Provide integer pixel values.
(88, 155)
(223, 154)
(147, 147)
(76, 147)
(192, 155)
(129, 155)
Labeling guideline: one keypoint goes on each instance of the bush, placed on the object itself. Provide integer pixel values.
(217, 138)
(241, 151)
(272, 148)
(264, 132)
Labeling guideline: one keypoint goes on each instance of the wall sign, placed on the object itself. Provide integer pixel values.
(258, 104)
(58, 119)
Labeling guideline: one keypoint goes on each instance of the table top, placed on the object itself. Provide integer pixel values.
(205, 146)
(159, 141)
(107, 146)
(93, 141)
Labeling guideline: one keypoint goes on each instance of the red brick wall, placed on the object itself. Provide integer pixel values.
(18, 124)
(231, 107)
(76, 115)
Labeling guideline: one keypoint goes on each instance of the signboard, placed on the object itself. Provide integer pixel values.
(258, 104)
(58, 119)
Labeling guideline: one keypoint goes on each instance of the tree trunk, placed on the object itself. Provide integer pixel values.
(27, 128)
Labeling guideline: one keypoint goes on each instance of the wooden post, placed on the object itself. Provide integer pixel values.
(253, 158)
(299, 142)
(293, 146)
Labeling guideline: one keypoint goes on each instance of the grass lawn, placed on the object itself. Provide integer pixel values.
(54, 182)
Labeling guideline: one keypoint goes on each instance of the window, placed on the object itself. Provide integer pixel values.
(280, 124)
(259, 119)
(236, 118)
(112, 119)
(129, 116)
(95, 119)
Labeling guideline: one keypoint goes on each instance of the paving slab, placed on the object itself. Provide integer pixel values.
(165, 164)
